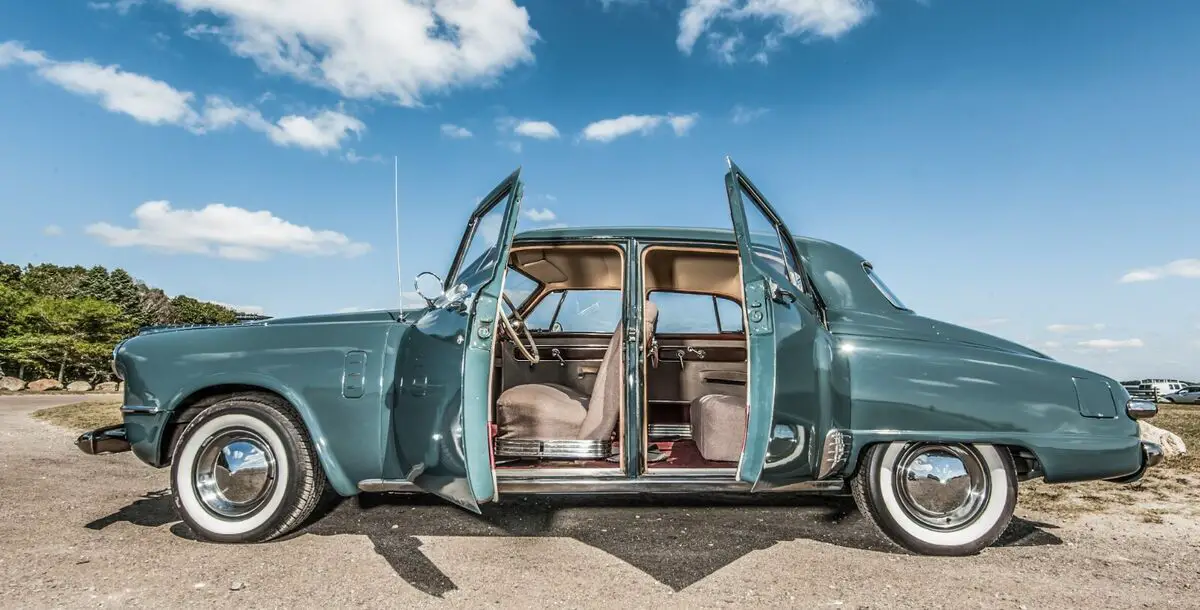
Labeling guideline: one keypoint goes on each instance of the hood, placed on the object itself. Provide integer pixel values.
(332, 318)
(919, 328)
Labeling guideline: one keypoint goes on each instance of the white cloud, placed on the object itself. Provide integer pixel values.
(1184, 267)
(120, 6)
(818, 18)
(200, 30)
(550, 197)
(223, 231)
(1073, 328)
(608, 130)
(740, 115)
(1111, 344)
(251, 309)
(353, 157)
(542, 215)
(454, 131)
(52, 230)
(683, 123)
(155, 102)
(397, 50)
(539, 130)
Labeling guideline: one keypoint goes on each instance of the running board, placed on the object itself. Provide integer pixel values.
(570, 483)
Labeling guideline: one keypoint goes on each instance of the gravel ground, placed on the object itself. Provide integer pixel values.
(80, 531)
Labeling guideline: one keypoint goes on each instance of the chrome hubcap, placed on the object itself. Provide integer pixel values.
(944, 487)
(234, 473)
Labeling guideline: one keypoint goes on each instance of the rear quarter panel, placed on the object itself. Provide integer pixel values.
(303, 362)
(905, 388)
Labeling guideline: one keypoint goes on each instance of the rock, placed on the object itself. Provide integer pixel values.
(106, 386)
(12, 384)
(237, 586)
(79, 386)
(1170, 442)
(42, 385)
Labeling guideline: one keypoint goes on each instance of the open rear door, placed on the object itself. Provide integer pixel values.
(440, 412)
(789, 356)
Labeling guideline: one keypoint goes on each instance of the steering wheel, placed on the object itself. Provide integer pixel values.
(530, 353)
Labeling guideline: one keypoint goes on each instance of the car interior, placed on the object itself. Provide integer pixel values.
(559, 382)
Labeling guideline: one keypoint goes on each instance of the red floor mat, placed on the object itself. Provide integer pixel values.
(685, 454)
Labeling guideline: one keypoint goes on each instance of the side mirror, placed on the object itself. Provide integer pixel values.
(426, 284)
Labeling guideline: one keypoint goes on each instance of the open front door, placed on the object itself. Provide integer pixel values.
(440, 414)
(789, 348)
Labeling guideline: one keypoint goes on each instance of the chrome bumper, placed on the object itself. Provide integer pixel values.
(103, 440)
(1152, 455)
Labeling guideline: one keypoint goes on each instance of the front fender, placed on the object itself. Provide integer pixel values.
(306, 364)
(915, 390)
(334, 472)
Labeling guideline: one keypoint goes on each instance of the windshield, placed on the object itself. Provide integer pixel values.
(887, 292)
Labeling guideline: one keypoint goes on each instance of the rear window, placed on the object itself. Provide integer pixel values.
(688, 313)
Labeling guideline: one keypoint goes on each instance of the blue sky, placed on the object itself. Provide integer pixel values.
(1005, 165)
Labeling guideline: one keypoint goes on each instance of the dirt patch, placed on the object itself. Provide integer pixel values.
(85, 415)
(1173, 488)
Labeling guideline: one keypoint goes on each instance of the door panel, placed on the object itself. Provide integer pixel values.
(789, 348)
(440, 417)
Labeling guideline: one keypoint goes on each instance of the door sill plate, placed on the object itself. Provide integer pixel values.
(614, 483)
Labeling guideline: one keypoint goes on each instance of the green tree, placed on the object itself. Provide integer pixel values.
(53, 281)
(186, 310)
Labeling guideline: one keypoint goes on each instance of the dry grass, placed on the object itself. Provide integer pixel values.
(1171, 488)
(84, 415)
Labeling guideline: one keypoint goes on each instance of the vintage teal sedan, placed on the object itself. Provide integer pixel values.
(621, 360)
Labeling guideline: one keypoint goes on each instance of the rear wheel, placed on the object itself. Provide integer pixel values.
(937, 498)
(244, 470)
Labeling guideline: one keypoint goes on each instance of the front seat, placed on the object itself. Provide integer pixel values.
(533, 419)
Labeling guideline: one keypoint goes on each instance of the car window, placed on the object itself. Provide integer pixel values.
(878, 282)
(577, 311)
(681, 312)
(766, 242)
(518, 287)
(478, 258)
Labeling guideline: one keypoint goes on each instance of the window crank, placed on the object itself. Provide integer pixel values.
(554, 353)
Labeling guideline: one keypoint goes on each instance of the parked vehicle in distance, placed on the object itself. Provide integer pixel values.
(1158, 388)
(1189, 395)
(618, 360)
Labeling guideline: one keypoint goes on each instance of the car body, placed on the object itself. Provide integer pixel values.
(821, 381)
(1189, 395)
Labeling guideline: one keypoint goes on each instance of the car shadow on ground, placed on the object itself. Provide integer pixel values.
(677, 540)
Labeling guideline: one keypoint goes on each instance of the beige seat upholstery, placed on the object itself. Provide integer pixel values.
(719, 426)
(551, 411)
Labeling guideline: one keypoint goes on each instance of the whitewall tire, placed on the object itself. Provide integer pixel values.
(244, 470)
(937, 498)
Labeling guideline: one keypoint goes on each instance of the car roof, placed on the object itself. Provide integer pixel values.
(691, 234)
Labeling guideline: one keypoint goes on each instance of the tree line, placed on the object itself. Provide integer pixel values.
(63, 322)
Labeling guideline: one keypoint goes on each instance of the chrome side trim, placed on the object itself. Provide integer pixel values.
(561, 449)
(670, 431)
(834, 453)
(535, 484)
(1137, 408)
(140, 410)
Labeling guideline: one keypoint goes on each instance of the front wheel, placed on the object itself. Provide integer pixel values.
(244, 470)
(937, 498)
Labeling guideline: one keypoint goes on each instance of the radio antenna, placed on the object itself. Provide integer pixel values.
(396, 205)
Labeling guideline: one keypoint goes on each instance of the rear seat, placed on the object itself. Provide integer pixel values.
(719, 426)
